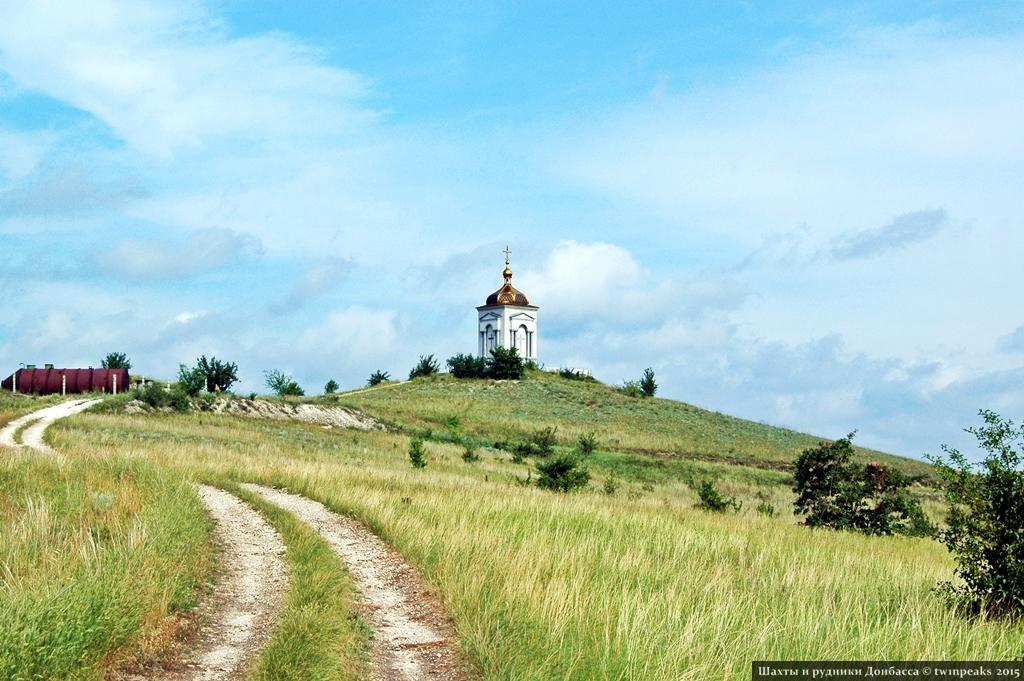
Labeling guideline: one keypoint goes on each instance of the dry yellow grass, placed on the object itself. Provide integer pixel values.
(586, 586)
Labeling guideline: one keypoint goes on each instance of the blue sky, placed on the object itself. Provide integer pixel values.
(807, 214)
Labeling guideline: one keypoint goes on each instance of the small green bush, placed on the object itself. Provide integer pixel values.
(191, 381)
(282, 384)
(467, 366)
(563, 473)
(647, 384)
(631, 389)
(521, 450)
(417, 454)
(610, 486)
(985, 528)
(505, 364)
(204, 402)
(427, 366)
(378, 377)
(544, 440)
(158, 397)
(711, 499)
(764, 506)
(469, 454)
(586, 444)
(576, 375)
(331, 387)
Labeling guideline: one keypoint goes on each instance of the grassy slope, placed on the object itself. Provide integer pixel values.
(95, 553)
(587, 586)
(507, 410)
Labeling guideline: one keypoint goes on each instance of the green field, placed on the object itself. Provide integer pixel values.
(635, 585)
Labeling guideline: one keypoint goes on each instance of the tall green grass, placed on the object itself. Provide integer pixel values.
(588, 586)
(95, 552)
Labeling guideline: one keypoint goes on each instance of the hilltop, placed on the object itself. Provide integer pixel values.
(660, 429)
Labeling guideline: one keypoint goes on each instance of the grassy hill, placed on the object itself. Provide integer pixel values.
(638, 584)
(512, 410)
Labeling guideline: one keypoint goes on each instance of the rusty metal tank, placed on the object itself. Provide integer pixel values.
(50, 381)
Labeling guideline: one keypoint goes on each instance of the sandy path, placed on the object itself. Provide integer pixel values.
(33, 435)
(238, 618)
(413, 638)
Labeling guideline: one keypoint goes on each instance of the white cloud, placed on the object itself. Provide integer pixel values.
(67, 190)
(838, 139)
(201, 251)
(318, 278)
(165, 76)
(902, 231)
(352, 334)
(185, 318)
(1013, 341)
(21, 151)
(582, 279)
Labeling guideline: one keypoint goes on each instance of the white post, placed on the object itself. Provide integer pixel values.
(14, 382)
(115, 384)
(63, 385)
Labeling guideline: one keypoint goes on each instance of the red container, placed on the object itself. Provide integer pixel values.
(51, 381)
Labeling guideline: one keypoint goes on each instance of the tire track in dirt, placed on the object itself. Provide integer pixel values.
(239, 615)
(33, 435)
(413, 636)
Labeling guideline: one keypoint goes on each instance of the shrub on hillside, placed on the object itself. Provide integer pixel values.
(467, 366)
(116, 360)
(985, 527)
(158, 397)
(378, 377)
(469, 453)
(576, 375)
(631, 389)
(544, 441)
(220, 376)
(711, 499)
(505, 364)
(563, 473)
(191, 381)
(648, 386)
(834, 491)
(417, 454)
(764, 506)
(427, 366)
(586, 444)
(521, 450)
(282, 384)
(331, 387)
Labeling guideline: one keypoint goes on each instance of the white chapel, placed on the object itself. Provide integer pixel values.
(508, 320)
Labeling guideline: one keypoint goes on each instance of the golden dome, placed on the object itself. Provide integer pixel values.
(508, 294)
